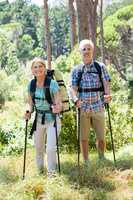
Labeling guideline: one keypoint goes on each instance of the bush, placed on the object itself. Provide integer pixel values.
(7, 82)
(68, 140)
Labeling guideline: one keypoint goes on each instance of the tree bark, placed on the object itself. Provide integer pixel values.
(87, 20)
(73, 26)
(82, 14)
(92, 20)
(102, 32)
(47, 34)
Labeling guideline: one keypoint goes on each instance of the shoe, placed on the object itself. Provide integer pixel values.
(86, 163)
(101, 156)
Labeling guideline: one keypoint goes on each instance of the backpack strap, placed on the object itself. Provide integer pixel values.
(50, 73)
(80, 73)
(33, 89)
(98, 68)
(47, 90)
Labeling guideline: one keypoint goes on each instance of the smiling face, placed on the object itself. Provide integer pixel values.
(86, 48)
(38, 69)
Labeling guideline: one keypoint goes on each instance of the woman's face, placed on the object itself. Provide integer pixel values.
(38, 69)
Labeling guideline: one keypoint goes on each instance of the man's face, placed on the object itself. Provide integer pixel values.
(87, 53)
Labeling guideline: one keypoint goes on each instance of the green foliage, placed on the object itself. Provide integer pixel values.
(25, 47)
(111, 9)
(12, 128)
(68, 134)
(110, 34)
(27, 15)
(65, 63)
(118, 39)
(59, 20)
(8, 57)
(5, 17)
(99, 181)
(5, 12)
(61, 64)
(38, 52)
(120, 18)
(7, 82)
(11, 31)
(125, 13)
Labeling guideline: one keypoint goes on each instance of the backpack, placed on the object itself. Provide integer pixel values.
(99, 72)
(56, 75)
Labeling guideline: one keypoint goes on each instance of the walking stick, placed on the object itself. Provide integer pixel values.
(57, 144)
(110, 127)
(78, 134)
(25, 145)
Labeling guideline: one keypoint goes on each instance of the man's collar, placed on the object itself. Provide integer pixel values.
(89, 65)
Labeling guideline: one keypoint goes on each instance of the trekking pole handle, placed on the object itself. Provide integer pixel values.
(27, 111)
(106, 105)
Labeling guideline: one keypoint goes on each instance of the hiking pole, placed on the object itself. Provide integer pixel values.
(110, 127)
(57, 144)
(25, 145)
(78, 134)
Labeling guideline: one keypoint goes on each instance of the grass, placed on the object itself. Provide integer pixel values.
(99, 181)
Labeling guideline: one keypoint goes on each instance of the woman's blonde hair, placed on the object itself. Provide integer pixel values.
(38, 60)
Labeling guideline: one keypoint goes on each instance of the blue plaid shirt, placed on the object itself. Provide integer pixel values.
(91, 101)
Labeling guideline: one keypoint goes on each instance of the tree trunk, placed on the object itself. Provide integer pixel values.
(47, 33)
(87, 20)
(82, 13)
(102, 32)
(92, 20)
(73, 27)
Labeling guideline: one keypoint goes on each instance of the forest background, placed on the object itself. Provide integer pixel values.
(22, 37)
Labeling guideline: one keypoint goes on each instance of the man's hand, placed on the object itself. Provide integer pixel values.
(107, 98)
(78, 103)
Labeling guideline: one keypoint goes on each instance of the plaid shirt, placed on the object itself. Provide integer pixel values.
(91, 101)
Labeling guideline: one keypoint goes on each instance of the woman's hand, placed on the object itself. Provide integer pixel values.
(56, 108)
(27, 115)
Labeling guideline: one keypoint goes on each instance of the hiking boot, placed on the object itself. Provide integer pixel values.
(86, 163)
(101, 156)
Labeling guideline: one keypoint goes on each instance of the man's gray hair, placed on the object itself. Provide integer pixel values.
(84, 42)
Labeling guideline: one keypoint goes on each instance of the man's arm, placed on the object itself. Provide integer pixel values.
(73, 93)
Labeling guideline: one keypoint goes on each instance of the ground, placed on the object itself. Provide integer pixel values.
(97, 181)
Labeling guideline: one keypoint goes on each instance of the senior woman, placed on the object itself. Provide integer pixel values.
(44, 129)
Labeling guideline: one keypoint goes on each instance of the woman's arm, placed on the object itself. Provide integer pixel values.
(29, 107)
(57, 106)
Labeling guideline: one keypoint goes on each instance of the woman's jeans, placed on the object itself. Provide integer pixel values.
(45, 133)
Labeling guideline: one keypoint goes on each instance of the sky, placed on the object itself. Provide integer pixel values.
(38, 2)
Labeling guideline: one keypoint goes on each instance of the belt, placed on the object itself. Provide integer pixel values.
(90, 89)
(43, 112)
